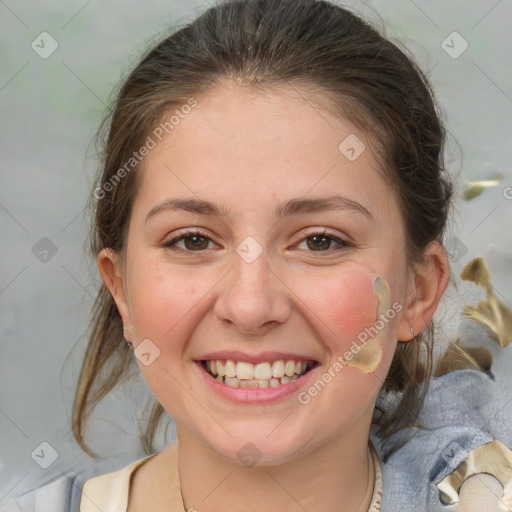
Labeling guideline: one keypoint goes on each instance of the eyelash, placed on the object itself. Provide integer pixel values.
(171, 244)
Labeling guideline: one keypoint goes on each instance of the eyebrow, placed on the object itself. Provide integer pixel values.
(291, 207)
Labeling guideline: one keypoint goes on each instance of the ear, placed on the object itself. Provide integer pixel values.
(111, 272)
(426, 285)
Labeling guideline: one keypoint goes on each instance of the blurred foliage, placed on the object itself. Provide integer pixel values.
(492, 313)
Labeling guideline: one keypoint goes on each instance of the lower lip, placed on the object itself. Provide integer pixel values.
(254, 395)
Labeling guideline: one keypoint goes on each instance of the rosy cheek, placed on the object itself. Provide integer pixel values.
(351, 308)
(368, 352)
(350, 304)
(161, 300)
(357, 310)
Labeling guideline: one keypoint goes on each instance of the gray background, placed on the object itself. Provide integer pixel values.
(50, 110)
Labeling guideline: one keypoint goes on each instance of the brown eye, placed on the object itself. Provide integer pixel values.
(319, 242)
(195, 242)
(323, 242)
(192, 241)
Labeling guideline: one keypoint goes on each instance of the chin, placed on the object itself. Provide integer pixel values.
(258, 449)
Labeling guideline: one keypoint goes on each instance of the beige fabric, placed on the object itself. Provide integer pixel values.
(110, 492)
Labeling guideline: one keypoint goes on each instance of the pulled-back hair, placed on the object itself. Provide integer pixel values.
(330, 55)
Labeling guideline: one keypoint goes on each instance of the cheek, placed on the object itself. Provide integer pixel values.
(161, 297)
(345, 303)
(357, 307)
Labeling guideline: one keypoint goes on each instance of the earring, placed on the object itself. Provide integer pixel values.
(412, 332)
(130, 344)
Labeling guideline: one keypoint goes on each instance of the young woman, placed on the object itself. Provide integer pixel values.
(268, 228)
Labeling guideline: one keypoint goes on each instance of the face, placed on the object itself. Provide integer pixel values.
(269, 276)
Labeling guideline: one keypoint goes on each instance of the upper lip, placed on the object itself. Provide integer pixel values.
(236, 355)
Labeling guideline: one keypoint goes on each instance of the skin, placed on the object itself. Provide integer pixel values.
(370, 355)
(252, 151)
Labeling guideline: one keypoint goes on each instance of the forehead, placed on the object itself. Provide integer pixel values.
(248, 146)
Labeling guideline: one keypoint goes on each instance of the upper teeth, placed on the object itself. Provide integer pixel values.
(265, 370)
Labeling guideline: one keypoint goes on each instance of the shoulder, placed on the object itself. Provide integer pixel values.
(74, 492)
(109, 492)
(466, 418)
(59, 495)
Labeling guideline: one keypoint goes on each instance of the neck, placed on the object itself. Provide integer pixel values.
(332, 477)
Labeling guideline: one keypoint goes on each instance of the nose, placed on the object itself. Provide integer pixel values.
(253, 298)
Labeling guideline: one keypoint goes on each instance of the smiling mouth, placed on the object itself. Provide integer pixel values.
(240, 374)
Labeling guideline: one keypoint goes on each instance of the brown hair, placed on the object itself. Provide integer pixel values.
(329, 54)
